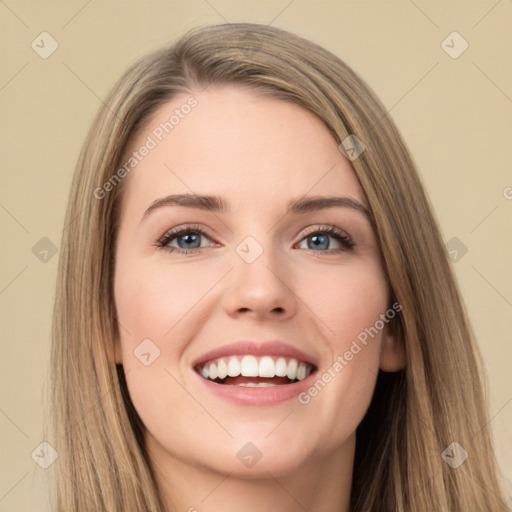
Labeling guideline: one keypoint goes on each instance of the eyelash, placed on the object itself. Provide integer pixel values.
(343, 238)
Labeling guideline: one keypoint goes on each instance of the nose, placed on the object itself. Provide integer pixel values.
(261, 290)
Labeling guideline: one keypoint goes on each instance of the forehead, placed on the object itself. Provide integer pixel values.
(236, 143)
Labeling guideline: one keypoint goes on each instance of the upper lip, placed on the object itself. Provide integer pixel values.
(257, 348)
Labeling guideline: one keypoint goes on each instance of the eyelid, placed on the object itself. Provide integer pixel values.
(314, 228)
(178, 230)
(333, 231)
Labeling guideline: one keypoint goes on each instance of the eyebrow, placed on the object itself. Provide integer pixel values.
(219, 205)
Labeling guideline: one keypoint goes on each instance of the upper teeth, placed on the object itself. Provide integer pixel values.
(252, 366)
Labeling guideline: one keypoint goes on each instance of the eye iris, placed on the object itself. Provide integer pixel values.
(188, 237)
(323, 244)
(192, 240)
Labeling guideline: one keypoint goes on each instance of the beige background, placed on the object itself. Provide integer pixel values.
(455, 114)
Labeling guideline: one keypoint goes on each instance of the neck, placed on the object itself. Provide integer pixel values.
(320, 484)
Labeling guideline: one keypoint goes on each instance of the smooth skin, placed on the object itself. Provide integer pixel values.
(257, 153)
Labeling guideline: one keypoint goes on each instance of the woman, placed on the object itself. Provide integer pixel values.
(312, 351)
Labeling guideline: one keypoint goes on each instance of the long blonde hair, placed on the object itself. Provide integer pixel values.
(415, 414)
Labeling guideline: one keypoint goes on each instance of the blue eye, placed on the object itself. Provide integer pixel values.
(187, 240)
(318, 240)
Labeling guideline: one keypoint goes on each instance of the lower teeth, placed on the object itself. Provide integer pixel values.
(254, 385)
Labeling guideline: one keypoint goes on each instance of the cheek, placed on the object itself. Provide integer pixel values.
(155, 302)
(345, 300)
(349, 303)
(163, 305)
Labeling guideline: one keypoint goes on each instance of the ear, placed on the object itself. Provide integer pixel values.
(392, 350)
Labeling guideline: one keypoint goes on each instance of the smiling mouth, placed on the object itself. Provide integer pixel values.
(253, 371)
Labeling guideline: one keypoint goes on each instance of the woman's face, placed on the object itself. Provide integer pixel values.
(249, 286)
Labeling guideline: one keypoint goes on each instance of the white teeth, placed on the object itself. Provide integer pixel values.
(222, 369)
(301, 371)
(234, 366)
(251, 366)
(292, 369)
(267, 367)
(258, 385)
(281, 367)
(213, 373)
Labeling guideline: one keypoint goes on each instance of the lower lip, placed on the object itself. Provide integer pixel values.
(242, 395)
